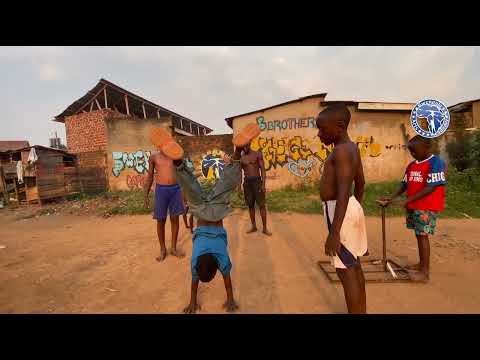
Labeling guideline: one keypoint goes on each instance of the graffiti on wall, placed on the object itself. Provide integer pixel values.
(285, 124)
(277, 152)
(137, 160)
(136, 181)
(300, 154)
(368, 146)
(300, 168)
(212, 164)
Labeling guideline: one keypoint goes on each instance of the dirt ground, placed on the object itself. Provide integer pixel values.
(80, 263)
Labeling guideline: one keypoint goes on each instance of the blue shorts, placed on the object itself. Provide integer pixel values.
(210, 240)
(168, 198)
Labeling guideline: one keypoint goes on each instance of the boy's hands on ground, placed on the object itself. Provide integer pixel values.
(332, 245)
(230, 305)
(192, 308)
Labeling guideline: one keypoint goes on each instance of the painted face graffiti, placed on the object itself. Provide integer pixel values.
(137, 160)
(212, 164)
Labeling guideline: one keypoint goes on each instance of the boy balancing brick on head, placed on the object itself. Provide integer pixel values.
(424, 181)
(168, 197)
(209, 251)
(347, 236)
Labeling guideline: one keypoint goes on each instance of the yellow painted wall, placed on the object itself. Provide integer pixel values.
(294, 154)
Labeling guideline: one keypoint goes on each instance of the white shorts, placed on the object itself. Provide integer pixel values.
(353, 234)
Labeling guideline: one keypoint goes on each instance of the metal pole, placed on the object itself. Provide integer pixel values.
(384, 258)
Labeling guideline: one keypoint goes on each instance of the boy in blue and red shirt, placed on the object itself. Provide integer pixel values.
(424, 181)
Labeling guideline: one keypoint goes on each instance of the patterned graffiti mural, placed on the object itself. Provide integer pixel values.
(300, 154)
(278, 151)
(137, 160)
(212, 164)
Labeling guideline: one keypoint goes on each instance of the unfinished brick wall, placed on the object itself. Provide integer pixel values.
(87, 131)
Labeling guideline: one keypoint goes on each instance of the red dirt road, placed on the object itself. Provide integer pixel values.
(87, 264)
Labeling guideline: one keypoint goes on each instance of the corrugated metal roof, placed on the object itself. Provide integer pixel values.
(461, 106)
(76, 106)
(13, 145)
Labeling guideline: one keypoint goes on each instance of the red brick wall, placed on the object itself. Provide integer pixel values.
(87, 132)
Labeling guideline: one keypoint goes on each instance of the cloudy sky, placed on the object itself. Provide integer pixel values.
(208, 84)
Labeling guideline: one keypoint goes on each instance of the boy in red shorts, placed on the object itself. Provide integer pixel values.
(424, 181)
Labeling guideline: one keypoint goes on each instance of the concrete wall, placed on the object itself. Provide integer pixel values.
(128, 150)
(293, 153)
(206, 153)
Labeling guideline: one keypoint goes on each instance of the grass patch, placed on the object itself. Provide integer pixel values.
(128, 203)
(462, 196)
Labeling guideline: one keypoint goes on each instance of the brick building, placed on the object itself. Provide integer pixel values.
(108, 128)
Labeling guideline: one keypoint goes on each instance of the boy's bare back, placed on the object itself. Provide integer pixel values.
(344, 162)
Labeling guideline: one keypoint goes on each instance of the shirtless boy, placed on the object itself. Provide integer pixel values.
(168, 199)
(254, 186)
(347, 238)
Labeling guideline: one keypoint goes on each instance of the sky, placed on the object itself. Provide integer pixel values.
(208, 84)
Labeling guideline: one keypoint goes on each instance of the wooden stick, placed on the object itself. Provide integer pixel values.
(91, 106)
(98, 104)
(144, 113)
(158, 114)
(126, 105)
(105, 96)
(384, 240)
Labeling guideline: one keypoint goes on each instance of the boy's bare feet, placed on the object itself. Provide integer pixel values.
(252, 230)
(266, 232)
(230, 305)
(413, 267)
(418, 276)
(163, 255)
(192, 308)
(177, 253)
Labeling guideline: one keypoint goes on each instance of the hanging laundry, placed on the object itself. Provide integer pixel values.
(20, 172)
(32, 156)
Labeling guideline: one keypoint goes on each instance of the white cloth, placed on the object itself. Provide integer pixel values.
(20, 171)
(32, 156)
(353, 234)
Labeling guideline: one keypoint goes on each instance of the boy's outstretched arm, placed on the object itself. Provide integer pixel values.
(193, 306)
(422, 193)
(148, 182)
(344, 179)
(230, 305)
